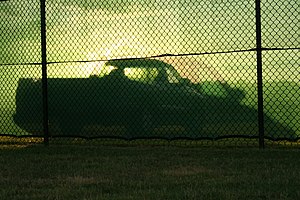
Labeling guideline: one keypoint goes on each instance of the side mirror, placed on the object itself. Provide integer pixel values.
(93, 76)
(185, 81)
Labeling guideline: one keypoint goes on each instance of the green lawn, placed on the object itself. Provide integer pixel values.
(144, 172)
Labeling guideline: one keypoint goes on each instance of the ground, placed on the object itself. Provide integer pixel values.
(148, 172)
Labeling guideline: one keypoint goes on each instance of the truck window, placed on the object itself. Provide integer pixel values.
(145, 75)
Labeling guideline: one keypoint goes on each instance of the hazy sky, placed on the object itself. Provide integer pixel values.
(77, 30)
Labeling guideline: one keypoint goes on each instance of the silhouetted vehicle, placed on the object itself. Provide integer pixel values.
(135, 98)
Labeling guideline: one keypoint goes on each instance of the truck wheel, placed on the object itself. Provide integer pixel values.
(148, 124)
(70, 128)
(193, 128)
(140, 125)
(54, 127)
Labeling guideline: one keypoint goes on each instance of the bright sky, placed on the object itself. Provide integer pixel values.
(85, 30)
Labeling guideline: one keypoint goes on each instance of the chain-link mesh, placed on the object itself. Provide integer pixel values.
(281, 71)
(142, 69)
(20, 59)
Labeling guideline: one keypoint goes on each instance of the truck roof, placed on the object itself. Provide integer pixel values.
(137, 63)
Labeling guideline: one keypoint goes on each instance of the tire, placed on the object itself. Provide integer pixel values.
(141, 125)
(70, 128)
(193, 127)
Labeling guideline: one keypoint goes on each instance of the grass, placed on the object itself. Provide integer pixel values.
(147, 172)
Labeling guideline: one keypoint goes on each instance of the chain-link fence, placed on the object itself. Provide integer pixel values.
(183, 70)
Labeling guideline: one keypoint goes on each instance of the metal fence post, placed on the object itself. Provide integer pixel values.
(259, 75)
(44, 72)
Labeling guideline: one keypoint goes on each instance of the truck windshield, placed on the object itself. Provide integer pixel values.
(145, 75)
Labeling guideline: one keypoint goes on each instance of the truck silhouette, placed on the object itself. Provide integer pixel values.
(137, 98)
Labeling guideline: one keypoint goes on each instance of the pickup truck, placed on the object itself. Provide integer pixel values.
(135, 98)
